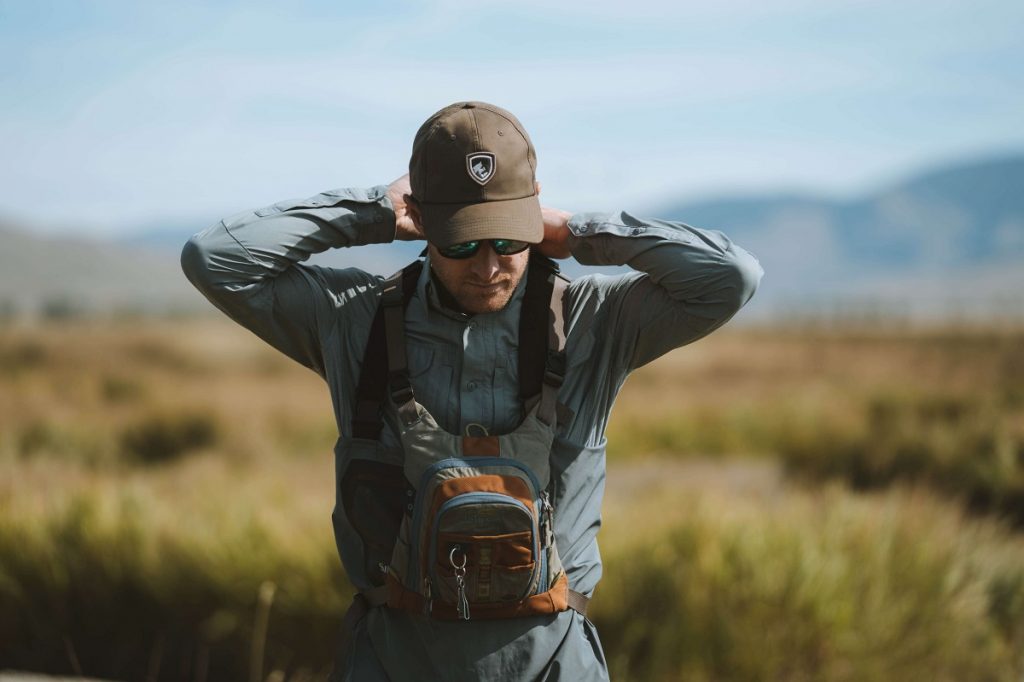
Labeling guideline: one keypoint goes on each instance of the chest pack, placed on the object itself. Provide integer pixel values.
(475, 537)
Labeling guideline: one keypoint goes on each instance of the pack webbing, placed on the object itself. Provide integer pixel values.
(373, 375)
(541, 351)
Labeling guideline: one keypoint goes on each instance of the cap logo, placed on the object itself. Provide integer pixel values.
(481, 166)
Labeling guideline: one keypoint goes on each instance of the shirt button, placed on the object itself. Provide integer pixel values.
(471, 386)
(637, 230)
(584, 228)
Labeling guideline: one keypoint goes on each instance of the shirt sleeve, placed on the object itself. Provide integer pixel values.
(689, 281)
(249, 265)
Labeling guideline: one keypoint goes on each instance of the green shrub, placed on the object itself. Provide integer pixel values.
(70, 441)
(164, 436)
(42, 436)
(964, 446)
(118, 389)
(62, 309)
(21, 356)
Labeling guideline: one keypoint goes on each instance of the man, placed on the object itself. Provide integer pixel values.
(472, 193)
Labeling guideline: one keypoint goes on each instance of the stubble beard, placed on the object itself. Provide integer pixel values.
(478, 300)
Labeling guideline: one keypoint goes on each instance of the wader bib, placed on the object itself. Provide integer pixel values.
(463, 528)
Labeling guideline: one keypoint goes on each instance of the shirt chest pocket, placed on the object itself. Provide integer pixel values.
(432, 373)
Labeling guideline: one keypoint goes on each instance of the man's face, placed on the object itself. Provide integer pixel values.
(482, 283)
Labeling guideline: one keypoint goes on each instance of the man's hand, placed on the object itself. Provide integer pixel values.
(400, 192)
(556, 233)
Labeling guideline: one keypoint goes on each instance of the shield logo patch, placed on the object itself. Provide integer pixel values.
(481, 166)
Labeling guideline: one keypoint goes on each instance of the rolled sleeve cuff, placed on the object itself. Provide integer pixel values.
(361, 216)
(622, 224)
(613, 238)
(381, 228)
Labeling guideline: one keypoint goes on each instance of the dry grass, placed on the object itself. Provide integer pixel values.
(742, 577)
(716, 569)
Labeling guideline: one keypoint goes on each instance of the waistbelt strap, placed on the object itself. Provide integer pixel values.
(365, 600)
(578, 602)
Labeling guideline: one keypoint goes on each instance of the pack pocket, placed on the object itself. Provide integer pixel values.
(495, 537)
(374, 497)
(512, 551)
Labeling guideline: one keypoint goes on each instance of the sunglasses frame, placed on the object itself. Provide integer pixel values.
(479, 243)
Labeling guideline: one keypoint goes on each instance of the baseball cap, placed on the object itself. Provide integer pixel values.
(473, 172)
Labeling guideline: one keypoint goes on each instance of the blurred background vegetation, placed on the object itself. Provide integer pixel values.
(828, 503)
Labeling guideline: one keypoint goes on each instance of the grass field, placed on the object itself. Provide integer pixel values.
(814, 505)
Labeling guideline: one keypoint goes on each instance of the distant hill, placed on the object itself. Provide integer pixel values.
(68, 276)
(948, 241)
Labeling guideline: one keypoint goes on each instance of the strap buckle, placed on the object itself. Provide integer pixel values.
(402, 394)
(577, 601)
(554, 368)
(553, 380)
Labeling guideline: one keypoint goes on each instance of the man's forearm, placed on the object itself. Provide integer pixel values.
(249, 247)
(692, 281)
(701, 268)
(249, 266)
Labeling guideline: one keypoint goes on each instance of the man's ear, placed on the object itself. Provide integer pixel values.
(413, 208)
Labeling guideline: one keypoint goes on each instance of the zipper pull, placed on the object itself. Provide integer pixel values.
(547, 512)
(462, 604)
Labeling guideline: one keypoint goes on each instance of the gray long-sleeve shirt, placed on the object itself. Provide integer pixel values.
(687, 282)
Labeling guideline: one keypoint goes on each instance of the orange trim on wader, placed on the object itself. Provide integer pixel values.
(555, 600)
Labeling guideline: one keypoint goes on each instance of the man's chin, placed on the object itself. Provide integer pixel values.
(479, 302)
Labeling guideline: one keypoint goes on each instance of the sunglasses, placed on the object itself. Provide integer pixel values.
(502, 247)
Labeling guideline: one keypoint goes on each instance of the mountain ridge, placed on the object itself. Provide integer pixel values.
(948, 224)
(941, 241)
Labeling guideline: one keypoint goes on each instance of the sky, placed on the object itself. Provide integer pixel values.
(120, 117)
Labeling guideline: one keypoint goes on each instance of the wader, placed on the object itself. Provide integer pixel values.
(458, 527)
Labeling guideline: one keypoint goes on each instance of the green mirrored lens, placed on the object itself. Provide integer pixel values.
(462, 250)
(502, 247)
(507, 247)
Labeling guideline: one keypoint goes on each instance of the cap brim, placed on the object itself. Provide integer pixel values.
(448, 224)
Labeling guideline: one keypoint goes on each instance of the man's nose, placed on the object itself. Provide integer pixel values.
(485, 265)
